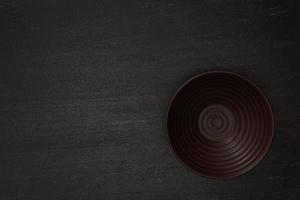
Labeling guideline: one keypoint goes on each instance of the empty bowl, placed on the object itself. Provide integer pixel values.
(220, 124)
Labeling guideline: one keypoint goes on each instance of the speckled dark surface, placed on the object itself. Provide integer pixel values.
(85, 87)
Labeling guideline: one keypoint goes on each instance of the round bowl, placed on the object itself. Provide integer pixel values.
(220, 124)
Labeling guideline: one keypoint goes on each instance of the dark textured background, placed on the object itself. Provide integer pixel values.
(85, 86)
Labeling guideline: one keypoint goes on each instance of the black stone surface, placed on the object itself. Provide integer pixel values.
(85, 85)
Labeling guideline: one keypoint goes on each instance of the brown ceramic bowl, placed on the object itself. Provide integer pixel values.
(220, 124)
